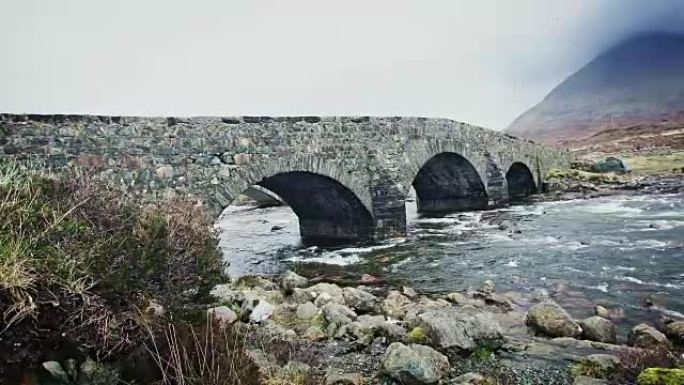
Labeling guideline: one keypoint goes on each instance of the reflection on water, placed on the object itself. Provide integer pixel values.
(613, 250)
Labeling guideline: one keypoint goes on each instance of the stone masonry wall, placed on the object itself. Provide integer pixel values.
(213, 159)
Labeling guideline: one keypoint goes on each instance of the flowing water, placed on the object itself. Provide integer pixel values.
(614, 250)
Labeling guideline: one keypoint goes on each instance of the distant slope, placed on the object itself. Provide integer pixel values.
(640, 81)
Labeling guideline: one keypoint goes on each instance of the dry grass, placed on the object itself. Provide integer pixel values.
(207, 355)
(77, 257)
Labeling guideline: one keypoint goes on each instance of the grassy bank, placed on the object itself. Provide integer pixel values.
(81, 263)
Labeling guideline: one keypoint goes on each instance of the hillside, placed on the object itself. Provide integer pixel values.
(638, 83)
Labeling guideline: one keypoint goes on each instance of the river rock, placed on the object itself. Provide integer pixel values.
(549, 318)
(395, 305)
(498, 300)
(306, 311)
(335, 377)
(336, 316)
(223, 315)
(675, 330)
(600, 365)
(488, 287)
(468, 379)
(612, 313)
(226, 294)
(598, 329)
(461, 329)
(457, 298)
(648, 337)
(360, 300)
(414, 364)
(292, 280)
(334, 291)
(261, 312)
(409, 292)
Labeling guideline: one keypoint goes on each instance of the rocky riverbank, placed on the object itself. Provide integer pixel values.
(376, 334)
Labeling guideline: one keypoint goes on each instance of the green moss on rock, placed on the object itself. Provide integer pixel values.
(417, 336)
(661, 376)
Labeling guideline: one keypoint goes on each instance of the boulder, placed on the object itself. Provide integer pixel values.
(488, 287)
(598, 329)
(306, 311)
(460, 329)
(409, 292)
(225, 293)
(254, 282)
(414, 364)
(393, 332)
(314, 333)
(457, 298)
(223, 315)
(360, 300)
(337, 315)
(395, 305)
(647, 337)
(261, 312)
(292, 280)
(597, 365)
(323, 299)
(675, 330)
(284, 314)
(552, 320)
(334, 291)
(498, 300)
(612, 313)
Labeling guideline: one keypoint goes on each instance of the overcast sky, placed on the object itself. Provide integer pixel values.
(482, 62)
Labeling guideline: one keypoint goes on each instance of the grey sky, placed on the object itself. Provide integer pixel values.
(482, 62)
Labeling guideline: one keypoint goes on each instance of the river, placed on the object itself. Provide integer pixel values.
(613, 251)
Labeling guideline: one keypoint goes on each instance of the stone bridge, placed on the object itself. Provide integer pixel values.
(346, 178)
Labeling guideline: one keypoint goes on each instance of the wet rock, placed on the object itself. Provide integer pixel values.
(360, 300)
(395, 305)
(647, 337)
(598, 329)
(498, 300)
(468, 379)
(339, 378)
(656, 226)
(461, 329)
(612, 313)
(307, 311)
(457, 298)
(261, 312)
(414, 364)
(369, 279)
(675, 331)
(223, 315)
(409, 292)
(488, 287)
(292, 280)
(552, 320)
(654, 300)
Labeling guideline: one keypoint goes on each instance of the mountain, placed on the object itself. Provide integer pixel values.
(638, 82)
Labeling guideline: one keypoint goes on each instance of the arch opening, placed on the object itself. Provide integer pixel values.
(329, 213)
(448, 182)
(520, 181)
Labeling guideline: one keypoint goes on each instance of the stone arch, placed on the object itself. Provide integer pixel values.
(520, 181)
(449, 182)
(329, 204)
